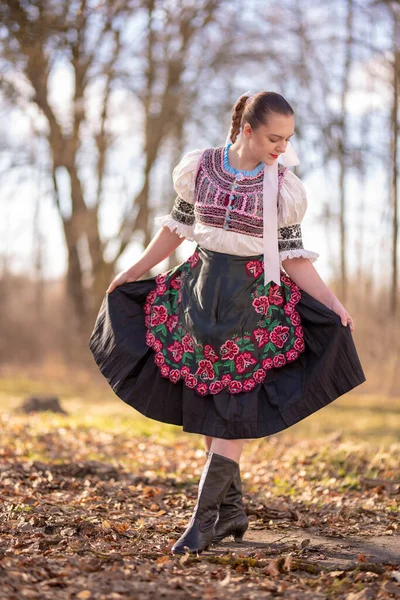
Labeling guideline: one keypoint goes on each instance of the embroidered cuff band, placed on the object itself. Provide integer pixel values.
(183, 212)
(290, 238)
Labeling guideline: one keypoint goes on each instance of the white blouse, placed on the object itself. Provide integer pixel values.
(292, 205)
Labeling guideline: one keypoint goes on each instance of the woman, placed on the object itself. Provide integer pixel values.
(228, 344)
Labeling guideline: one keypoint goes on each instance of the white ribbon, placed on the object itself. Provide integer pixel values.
(270, 209)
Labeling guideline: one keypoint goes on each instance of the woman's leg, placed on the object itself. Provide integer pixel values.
(207, 442)
(230, 448)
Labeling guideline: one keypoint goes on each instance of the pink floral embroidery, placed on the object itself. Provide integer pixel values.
(205, 370)
(171, 322)
(164, 370)
(159, 315)
(267, 363)
(161, 289)
(295, 318)
(174, 375)
(249, 384)
(150, 339)
(159, 359)
(295, 297)
(243, 361)
(288, 308)
(259, 375)
(279, 335)
(157, 346)
(191, 381)
(194, 259)
(299, 344)
(176, 350)
(287, 280)
(291, 354)
(176, 283)
(151, 297)
(261, 336)
(275, 296)
(226, 379)
(187, 344)
(254, 267)
(161, 278)
(235, 387)
(279, 360)
(229, 350)
(202, 389)
(261, 304)
(216, 387)
(210, 353)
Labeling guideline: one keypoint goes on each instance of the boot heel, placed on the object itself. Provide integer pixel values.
(239, 533)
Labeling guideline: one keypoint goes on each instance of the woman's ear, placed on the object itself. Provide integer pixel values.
(247, 131)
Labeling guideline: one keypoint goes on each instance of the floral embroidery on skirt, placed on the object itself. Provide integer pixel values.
(186, 313)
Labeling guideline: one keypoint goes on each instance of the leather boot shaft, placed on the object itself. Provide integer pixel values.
(216, 479)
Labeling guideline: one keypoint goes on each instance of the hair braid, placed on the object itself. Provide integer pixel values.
(237, 113)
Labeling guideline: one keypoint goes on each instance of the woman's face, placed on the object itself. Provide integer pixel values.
(267, 142)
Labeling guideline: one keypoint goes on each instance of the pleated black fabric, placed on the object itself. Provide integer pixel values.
(327, 368)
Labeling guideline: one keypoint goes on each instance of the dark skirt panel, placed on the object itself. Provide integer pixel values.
(220, 303)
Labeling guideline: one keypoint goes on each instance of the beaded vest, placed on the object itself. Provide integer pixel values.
(229, 198)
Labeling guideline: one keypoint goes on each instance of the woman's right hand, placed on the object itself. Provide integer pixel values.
(123, 277)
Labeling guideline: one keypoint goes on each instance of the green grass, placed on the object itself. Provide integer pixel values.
(363, 418)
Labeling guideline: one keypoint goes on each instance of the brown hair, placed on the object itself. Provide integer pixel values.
(256, 111)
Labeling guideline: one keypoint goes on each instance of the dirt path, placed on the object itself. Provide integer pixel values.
(327, 551)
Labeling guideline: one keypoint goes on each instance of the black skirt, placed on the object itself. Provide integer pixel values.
(207, 346)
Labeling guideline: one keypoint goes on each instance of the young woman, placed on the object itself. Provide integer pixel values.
(228, 344)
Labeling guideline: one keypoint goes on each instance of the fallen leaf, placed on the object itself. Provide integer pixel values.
(272, 568)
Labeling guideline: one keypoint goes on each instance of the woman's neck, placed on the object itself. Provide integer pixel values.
(241, 158)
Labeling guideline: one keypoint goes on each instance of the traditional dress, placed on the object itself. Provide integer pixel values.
(207, 345)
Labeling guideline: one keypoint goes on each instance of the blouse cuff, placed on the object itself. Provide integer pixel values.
(290, 243)
(184, 231)
(298, 253)
(181, 219)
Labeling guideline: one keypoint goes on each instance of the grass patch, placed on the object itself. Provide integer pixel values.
(357, 418)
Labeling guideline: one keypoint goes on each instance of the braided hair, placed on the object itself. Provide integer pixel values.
(256, 110)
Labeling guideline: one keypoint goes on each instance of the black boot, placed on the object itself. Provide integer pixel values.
(215, 481)
(232, 518)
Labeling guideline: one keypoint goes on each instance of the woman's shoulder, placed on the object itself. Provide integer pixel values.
(292, 199)
(188, 162)
(184, 174)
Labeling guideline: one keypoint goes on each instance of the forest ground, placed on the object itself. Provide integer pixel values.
(92, 501)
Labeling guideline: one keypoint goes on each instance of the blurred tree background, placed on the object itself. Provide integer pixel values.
(100, 98)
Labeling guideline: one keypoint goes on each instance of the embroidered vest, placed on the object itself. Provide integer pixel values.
(214, 188)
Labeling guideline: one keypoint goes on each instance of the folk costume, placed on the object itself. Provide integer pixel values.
(226, 344)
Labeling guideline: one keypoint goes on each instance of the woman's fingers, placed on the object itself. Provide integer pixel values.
(350, 322)
(118, 280)
(123, 277)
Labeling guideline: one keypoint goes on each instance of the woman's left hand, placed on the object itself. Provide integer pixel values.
(345, 317)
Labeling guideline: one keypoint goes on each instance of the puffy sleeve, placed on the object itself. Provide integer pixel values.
(292, 206)
(181, 218)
